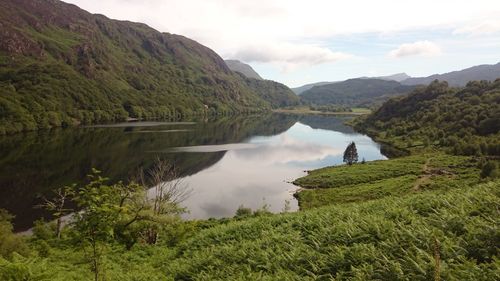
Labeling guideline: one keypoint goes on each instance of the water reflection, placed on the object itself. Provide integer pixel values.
(226, 161)
(33, 164)
(258, 171)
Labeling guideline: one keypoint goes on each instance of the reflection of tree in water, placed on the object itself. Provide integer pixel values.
(325, 122)
(33, 164)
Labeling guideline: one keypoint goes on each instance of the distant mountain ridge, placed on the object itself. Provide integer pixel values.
(243, 68)
(398, 77)
(301, 89)
(394, 77)
(460, 78)
(355, 92)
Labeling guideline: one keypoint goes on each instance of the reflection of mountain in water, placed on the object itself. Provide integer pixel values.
(327, 123)
(33, 164)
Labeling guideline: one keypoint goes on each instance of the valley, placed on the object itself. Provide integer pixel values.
(129, 152)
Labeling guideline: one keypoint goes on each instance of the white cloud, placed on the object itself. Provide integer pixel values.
(483, 28)
(290, 34)
(288, 55)
(420, 48)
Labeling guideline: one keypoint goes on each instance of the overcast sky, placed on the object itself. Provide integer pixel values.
(297, 42)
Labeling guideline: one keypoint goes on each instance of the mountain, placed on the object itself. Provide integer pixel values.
(62, 66)
(354, 92)
(301, 89)
(243, 68)
(395, 77)
(277, 94)
(398, 77)
(461, 77)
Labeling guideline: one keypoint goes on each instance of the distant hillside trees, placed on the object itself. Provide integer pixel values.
(354, 92)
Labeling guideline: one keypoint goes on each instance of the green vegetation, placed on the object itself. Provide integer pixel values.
(277, 94)
(77, 68)
(434, 125)
(354, 92)
(464, 121)
(395, 177)
(453, 235)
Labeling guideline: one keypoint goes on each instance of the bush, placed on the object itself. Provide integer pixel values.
(9, 242)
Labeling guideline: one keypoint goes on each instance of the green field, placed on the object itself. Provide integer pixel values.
(377, 179)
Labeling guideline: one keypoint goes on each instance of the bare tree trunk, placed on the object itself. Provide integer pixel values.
(58, 227)
(169, 192)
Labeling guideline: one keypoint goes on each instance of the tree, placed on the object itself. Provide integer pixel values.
(58, 206)
(95, 222)
(351, 154)
(166, 193)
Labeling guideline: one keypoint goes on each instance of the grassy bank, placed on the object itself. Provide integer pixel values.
(396, 177)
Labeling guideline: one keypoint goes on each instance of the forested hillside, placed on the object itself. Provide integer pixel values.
(61, 66)
(277, 94)
(464, 120)
(358, 92)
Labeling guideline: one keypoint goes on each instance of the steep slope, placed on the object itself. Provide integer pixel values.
(61, 66)
(354, 92)
(277, 94)
(243, 68)
(461, 77)
(465, 120)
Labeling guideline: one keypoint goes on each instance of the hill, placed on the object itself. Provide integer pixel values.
(463, 120)
(62, 66)
(243, 68)
(398, 77)
(460, 78)
(302, 89)
(354, 92)
(277, 94)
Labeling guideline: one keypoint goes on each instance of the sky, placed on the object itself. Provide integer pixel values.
(298, 42)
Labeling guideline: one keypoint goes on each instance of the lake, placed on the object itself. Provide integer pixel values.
(226, 161)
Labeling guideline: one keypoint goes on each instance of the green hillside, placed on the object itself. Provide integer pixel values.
(461, 120)
(277, 94)
(427, 216)
(358, 92)
(62, 66)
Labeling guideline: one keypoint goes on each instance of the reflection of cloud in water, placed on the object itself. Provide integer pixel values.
(286, 150)
(216, 209)
(262, 168)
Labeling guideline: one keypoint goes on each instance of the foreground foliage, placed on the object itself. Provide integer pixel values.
(452, 234)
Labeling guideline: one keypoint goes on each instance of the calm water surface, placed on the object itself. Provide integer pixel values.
(227, 162)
